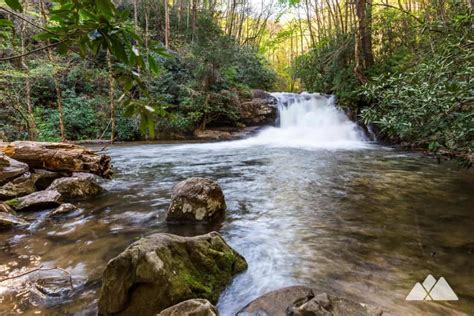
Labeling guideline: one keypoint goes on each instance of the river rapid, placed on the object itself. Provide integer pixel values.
(309, 202)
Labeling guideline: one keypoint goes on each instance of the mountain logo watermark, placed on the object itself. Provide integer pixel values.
(432, 290)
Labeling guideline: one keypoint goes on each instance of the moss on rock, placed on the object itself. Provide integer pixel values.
(163, 269)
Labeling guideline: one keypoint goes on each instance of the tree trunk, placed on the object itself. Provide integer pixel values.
(58, 157)
(193, 19)
(167, 23)
(308, 19)
(57, 83)
(111, 98)
(135, 13)
(363, 41)
(31, 118)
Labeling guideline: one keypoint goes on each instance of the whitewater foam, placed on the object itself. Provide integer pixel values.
(306, 121)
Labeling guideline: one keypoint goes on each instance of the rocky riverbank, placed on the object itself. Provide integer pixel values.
(37, 176)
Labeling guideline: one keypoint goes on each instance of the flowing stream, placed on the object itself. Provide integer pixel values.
(309, 202)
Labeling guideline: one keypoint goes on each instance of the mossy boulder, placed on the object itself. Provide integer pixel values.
(161, 270)
(196, 200)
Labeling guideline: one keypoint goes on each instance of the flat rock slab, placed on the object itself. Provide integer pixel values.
(194, 307)
(23, 185)
(10, 169)
(37, 201)
(79, 186)
(303, 301)
(162, 270)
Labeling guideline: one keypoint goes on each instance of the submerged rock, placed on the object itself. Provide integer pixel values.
(302, 301)
(62, 209)
(79, 186)
(20, 186)
(36, 201)
(161, 270)
(10, 220)
(10, 169)
(194, 307)
(211, 134)
(195, 200)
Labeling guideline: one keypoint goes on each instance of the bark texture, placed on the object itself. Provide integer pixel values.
(58, 157)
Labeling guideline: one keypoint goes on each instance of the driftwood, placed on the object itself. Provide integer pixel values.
(58, 157)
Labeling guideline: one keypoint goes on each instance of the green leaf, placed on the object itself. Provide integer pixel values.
(5, 22)
(105, 7)
(117, 49)
(44, 36)
(153, 66)
(15, 5)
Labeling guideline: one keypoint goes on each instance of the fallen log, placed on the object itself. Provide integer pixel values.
(58, 157)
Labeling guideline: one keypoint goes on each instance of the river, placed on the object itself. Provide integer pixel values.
(311, 202)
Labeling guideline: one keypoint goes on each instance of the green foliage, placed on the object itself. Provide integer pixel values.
(87, 27)
(328, 68)
(197, 84)
(430, 102)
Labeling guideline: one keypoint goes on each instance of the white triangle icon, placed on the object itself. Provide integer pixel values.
(443, 292)
(417, 293)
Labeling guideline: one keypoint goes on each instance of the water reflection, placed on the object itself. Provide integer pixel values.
(363, 224)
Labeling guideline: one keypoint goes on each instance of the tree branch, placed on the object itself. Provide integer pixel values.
(26, 20)
(401, 10)
(32, 51)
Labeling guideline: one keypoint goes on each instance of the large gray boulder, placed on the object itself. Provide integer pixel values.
(36, 201)
(23, 185)
(161, 270)
(79, 186)
(10, 169)
(194, 307)
(305, 301)
(196, 200)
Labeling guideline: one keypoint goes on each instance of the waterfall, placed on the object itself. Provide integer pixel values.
(311, 121)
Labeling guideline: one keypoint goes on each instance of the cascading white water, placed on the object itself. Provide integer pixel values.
(311, 121)
(308, 121)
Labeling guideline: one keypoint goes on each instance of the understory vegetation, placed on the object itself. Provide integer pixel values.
(416, 88)
(203, 73)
